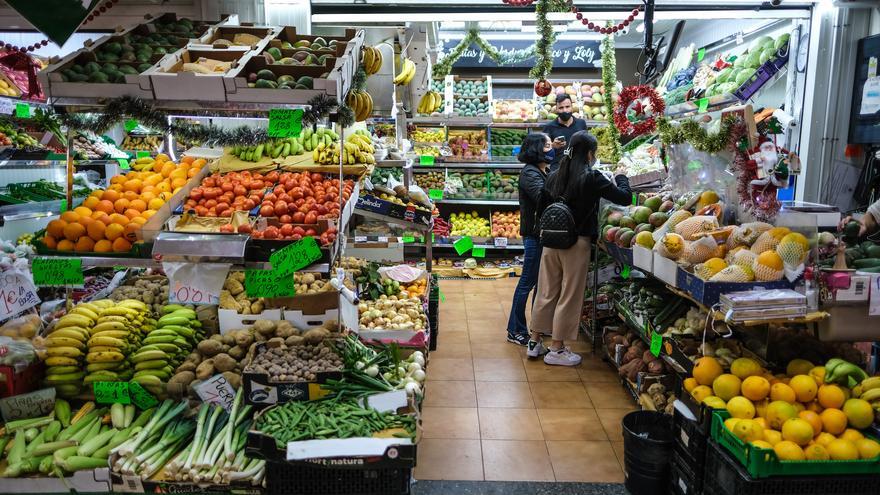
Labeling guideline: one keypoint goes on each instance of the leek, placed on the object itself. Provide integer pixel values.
(227, 444)
(201, 436)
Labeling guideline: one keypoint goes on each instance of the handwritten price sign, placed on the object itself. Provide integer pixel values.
(17, 294)
(217, 391)
(191, 283)
(296, 256)
(182, 293)
(57, 272)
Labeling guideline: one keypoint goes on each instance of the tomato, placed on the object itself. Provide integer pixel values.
(316, 177)
(208, 182)
(279, 190)
(280, 208)
(270, 197)
(211, 203)
(285, 219)
(270, 233)
(248, 204)
(256, 185)
(212, 212)
(227, 213)
(196, 194)
(245, 228)
(296, 193)
(322, 210)
(305, 209)
(299, 202)
(311, 233)
(227, 228)
(311, 218)
(256, 198)
(227, 187)
(286, 230)
(272, 176)
(285, 197)
(257, 234)
(298, 217)
(221, 207)
(320, 198)
(267, 211)
(240, 191)
(296, 237)
(201, 211)
(290, 184)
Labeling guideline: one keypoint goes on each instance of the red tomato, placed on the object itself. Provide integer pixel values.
(270, 233)
(221, 207)
(245, 228)
(286, 230)
(290, 184)
(209, 182)
(257, 234)
(227, 228)
(267, 211)
(311, 233)
(210, 203)
(248, 204)
(285, 197)
(272, 176)
(280, 208)
(296, 237)
(196, 194)
(311, 218)
(257, 184)
(278, 190)
(322, 210)
(299, 230)
(240, 191)
(299, 202)
(270, 197)
(285, 219)
(296, 193)
(298, 217)
(227, 186)
(201, 211)
(227, 213)
(256, 198)
(316, 177)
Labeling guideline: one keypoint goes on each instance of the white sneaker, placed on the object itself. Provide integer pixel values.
(562, 357)
(536, 349)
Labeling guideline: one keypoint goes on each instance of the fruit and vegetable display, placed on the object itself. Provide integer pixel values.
(361, 102)
(635, 358)
(470, 224)
(392, 313)
(428, 135)
(12, 136)
(514, 111)
(297, 362)
(8, 88)
(110, 220)
(642, 160)
(431, 103)
(467, 146)
(505, 224)
(268, 79)
(369, 369)
(469, 88)
(129, 54)
(42, 190)
(745, 65)
(470, 107)
(467, 185)
(274, 55)
(431, 180)
(372, 59)
(222, 195)
(357, 149)
(308, 140)
(304, 197)
(405, 73)
(141, 143)
(90, 146)
(504, 141)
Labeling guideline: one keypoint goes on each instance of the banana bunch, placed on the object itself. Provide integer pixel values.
(357, 148)
(430, 102)
(362, 104)
(141, 143)
(869, 390)
(116, 333)
(308, 140)
(143, 164)
(165, 347)
(372, 59)
(407, 72)
(844, 373)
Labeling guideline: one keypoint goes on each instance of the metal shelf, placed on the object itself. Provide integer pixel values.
(488, 247)
(475, 165)
(490, 202)
(110, 262)
(396, 221)
(184, 107)
(30, 211)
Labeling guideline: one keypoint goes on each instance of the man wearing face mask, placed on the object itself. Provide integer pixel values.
(562, 128)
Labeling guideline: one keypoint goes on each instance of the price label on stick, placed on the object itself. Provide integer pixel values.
(426, 160)
(701, 53)
(703, 105)
(478, 252)
(407, 239)
(111, 392)
(285, 122)
(216, 390)
(268, 283)
(656, 343)
(295, 256)
(140, 396)
(130, 125)
(624, 273)
(57, 272)
(22, 110)
(435, 194)
(32, 405)
(17, 294)
(195, 283)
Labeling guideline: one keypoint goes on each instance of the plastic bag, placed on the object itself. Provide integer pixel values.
(16, 353)
(402, 273)
(24, 327)
(692, 170)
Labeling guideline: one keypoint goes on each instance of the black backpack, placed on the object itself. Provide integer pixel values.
(557, 227)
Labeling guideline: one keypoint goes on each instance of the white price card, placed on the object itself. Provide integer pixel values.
(17, 293)
(360, 238)
(30, 405)
(216, 390)
(874, 297)
(7, 106)
(501, 242)
(195, 283)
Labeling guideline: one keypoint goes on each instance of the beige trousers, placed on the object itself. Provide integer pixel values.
(562, 279)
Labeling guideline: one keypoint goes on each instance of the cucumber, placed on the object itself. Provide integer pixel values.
(867, 263)
(872, 251)
(873, 269)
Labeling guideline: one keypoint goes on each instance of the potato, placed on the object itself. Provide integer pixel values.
(223, 362)
(237, 352)
(228, 340)
(179, 383)
(316, 335)
(234, 379)
(210, 347)
(243, 338)
(294, 340)
(264, 327)
(206, 369)
(187, 366)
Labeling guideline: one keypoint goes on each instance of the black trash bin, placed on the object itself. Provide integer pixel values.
(647, 452)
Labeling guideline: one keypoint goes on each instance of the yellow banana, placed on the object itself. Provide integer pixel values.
(76, 333)
(871, 395)
(870, 383)
(119, 311)
(54, 341)
(106, 341)
(80, 310)
(103, 303)
(108, 326)
(116, 334)
(61, 361)
(133, 304)
(89, 306)
(73, 320)
(104, 357)
(105, 348)
(65, 351)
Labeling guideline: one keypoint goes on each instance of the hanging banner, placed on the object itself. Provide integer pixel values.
(567, 54)
(57, 19)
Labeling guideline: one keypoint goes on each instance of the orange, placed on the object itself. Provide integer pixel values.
(97, 214)
(178, 183)
(130, 232)
(824, 438)
(96, 230)
(804, 387)
(788, 451)
(138, 204)
(97, 193)
(726, 386)
(56, 228)
(851, 435)
(110, 195)
(176, 189)
(859, 412)
(130, 195)
(138, 220)
(167, 168)
(164, 195)
(91, 202)
(133, 185)
(778, 412)
(833, 421)
(192, 172)
(120, 245)
(103, 246)
(50, 242)
(103, 218)
(120, 205)
(70, 216)
(755, 388)
(706, 370)
(65, 245)
(199, 162)
(816, 452)
(814, 420)
(117, 179)
(164, 187)
(105, 205)
(148, 189)
(155, 203)
(783, 392)
(868, 449)
(187, 159)
(74, 231)
(85, 245)
(831, 396)
(82, 211)
(842, 450)
(117, 188)
(798, 431)
(178, 173)
(120, 219)
(114, 231)
(152, 180)
(147, 214)
(131, 213)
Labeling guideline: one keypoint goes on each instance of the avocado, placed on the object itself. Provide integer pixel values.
(77, 68)
(265, 84)
(77, 77)
(143, 67)
(127, 69)
(319, 41)
(159, 51)
(92, 67)
(109, 57)
(302, 44)
(109, 67)
(305, 81)
(145, 48)
(127, 48)
(266, 74)
(284, 78)
(285, 45)
(113, 47)
(64, 77)
(275, 52)
(142, 57)
(311, 60)
(98, 77)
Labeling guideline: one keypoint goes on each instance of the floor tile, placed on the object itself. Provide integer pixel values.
(452, 348)
(618, 451)
(502, 394)
(440, 369)
(609, 396)
(560, 395)
(498, 370)
(604, 374)
(449, 459)
(485, 337)
(584, 461)
(517, 460)
(611, 422)
(571, 424)
(498, 423)
(445, 335)
(537, 371)
(450, 422)
(449, 394)
(495, 350)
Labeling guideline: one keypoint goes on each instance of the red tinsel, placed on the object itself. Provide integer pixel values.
(636, 93)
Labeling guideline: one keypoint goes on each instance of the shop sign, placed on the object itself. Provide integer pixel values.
(567, 54)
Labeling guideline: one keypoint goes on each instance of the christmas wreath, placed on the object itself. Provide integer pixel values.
(642, 122)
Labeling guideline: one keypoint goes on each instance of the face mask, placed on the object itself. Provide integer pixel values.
(564, 116)
(549, 155)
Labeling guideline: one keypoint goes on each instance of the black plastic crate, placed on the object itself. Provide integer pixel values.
(725, 476)
(297, 479)
(682, 479)
(690, 440)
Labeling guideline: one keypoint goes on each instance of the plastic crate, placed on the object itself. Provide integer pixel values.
(763, 463)
(682, 480)
(295, 479)
(724, 476)
(703, 414)
(754, 83)
(690, 440)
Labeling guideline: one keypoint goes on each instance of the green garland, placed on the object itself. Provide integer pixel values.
(692, 132)
(444, 65)
(609, 82)
(545, 42)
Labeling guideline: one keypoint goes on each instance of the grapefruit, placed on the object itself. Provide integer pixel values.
(781, 391)
(788, 451)
(748, 430)
(842, 450)
(868, 449)
(706, 370)
(814, 420)
(859, 413)
(772, 436)
(798, 431)
(804, 387)
(745, 367)
(833, 421)
(740, 407)
(816, 452)
(726, 386)
(755, 388)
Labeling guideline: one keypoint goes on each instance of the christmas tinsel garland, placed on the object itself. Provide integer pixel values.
(609, 82)
(544, 44)
(692, 132)
(444, 65)
(127, 107)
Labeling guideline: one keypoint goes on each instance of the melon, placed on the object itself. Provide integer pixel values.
(670, 246)
(641, 214)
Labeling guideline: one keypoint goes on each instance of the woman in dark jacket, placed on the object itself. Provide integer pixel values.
(535, 154)
(563, 274)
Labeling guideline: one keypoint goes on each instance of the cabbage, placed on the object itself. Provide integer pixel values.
(781, 41)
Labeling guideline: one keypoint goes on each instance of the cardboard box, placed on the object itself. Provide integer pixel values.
(90, 481)
(126, 483)
(54, 85)
(260, 389)
(708, 293)
(323, 81)
(209, 39)
(171, 84)
(406, 213)
(156, 25)
(289, 34)
(665, 269)
(233, 320)
(643, 258)
(405, 338)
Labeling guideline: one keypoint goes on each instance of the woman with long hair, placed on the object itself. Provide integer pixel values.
(562, 277)
(535, 154)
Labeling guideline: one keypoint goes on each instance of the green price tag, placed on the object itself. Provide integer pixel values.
(268, 283)
(298, 255)
(635, 199)
(656, 343)
(408, 239)
(426, 160)
(140, 397)
(123, 164)
(111, 392)
(285, 122)
(463, 245)
(63, 207)
(57, 272)
(624, 273)
(478, 252)
(702, 105)
(22, 110)
(701, 53)
(435, 194)
(442, 296)
(130, 125)
(432, 238)
(142, 154)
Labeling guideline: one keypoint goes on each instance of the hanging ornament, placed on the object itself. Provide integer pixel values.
(518, 3)
(611, 29)
(543, 87)
(637, 110)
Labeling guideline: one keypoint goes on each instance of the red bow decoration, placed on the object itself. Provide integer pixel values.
(20, 61)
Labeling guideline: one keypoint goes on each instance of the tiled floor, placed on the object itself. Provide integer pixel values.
(491, 414)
